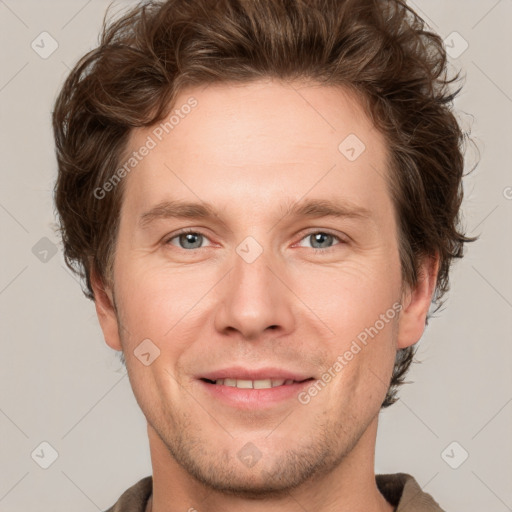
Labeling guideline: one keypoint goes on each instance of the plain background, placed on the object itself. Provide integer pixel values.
(61, 384)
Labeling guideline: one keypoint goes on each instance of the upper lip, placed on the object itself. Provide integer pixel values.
(244, 373)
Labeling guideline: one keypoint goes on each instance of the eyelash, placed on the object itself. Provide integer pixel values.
(315, 250)
(323, 232)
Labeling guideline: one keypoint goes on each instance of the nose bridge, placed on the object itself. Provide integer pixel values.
(252, 272)
(254, 299)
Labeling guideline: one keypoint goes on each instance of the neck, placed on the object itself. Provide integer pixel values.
(348, 486)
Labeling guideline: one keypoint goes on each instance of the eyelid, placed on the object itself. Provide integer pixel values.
(184, 231)
(304, 235)
(340, 237)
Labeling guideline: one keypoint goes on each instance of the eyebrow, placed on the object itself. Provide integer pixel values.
(312, 208)
(177, 209)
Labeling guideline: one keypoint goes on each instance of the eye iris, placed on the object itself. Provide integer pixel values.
(320, 238)
(195, 239)
(189, 238)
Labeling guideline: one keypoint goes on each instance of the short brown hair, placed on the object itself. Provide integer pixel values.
(380, 49)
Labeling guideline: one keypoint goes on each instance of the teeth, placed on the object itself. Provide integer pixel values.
(263, 384)
(254, 384)
(244, 384)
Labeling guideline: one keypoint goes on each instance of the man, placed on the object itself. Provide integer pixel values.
(307, 152)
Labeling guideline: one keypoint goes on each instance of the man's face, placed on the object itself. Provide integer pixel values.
(257, 287)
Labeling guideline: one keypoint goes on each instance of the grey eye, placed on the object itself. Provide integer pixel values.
(194, 239)
(321, 239)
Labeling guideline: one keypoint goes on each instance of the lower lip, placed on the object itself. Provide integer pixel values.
(254, 398)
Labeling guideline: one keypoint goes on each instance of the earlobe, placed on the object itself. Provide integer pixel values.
(416, 303)
(106, 312)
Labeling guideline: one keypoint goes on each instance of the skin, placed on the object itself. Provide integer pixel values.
(251, 151)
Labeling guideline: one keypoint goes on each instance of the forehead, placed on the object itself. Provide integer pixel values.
(258, 141)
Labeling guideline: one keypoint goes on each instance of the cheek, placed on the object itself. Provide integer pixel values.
(157, 302)
(363, 369)
(348, 298)
(359, 304)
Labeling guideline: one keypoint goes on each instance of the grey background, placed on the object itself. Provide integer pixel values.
(61, 384)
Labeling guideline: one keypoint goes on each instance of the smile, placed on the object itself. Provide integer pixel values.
(260, 394)
(253, 384)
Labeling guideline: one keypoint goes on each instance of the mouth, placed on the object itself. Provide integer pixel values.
(253, 395)
(254, 384)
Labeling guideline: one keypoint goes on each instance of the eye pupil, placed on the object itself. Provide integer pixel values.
(321, 238)
(186, 238)
(194, 240)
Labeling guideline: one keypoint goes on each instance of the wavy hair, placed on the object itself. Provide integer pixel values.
(380, 49)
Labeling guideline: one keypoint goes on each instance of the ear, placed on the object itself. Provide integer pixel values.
(416, 303)
(107, 316)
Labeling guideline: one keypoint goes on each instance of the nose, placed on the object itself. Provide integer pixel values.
(255, 299)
